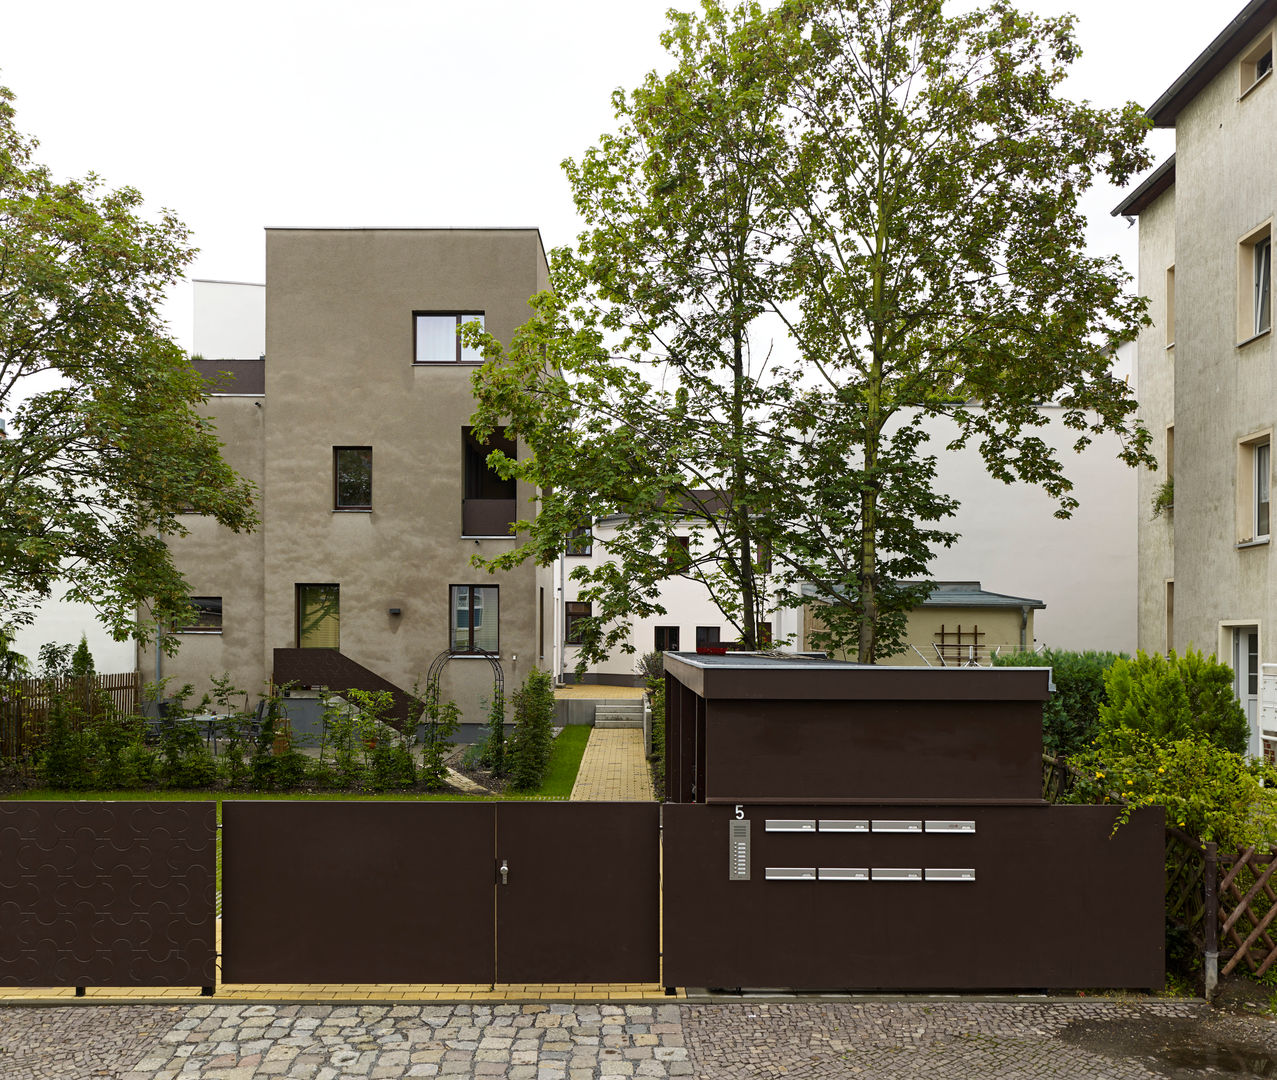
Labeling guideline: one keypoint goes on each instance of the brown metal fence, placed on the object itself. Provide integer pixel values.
(25, 704)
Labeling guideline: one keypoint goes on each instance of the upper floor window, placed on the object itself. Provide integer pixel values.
(1263, 275)
(437, 337)
(580, 541)
(1257, 63)
(1261, 489)
(352, 477)
(208, 616)
(1253, 489)
(1255, 283)
(488, 506)
(1170, 306)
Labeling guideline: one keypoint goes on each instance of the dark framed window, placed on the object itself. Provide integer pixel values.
(706, 635)
(575, 612)
(352, 477)
(318, 616)
(580, 541)
(474, 618)
(480, 480)
(666, 639)
(678, 554)
(436, 337)
(208, 616)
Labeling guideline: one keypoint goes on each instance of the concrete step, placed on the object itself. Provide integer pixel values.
(619, 714)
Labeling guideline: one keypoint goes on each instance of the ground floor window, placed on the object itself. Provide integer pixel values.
(666, 639)
(575, 612)
(207, 619)
(318, 609)
(474, 618)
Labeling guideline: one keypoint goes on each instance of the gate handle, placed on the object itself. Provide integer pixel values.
(505, 872)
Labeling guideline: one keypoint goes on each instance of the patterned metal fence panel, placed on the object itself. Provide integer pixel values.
(107, 894)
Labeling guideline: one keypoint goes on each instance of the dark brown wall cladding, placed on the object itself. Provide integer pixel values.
(107, 894)
(349, 892)
(233, 376)
(1057, 901)
(803, 750)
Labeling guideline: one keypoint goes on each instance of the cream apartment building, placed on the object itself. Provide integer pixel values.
(352, 421)
(1207, 387)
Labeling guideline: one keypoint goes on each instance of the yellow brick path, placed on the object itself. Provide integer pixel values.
(614, 768)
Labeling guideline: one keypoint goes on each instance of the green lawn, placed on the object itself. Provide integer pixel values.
(565, 761)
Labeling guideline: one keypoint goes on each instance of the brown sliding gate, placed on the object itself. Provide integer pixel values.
(440, 892)
(107, 894)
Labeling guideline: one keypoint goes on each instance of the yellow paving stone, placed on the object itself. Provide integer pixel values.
(613, 768)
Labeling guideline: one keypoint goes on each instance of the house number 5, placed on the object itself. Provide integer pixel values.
(740, 811)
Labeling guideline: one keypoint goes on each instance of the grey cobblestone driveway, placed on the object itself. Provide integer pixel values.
(962, 1040)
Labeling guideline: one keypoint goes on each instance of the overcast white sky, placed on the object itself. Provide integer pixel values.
(240, 115)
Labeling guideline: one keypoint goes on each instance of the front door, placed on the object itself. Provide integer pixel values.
(1246, 680)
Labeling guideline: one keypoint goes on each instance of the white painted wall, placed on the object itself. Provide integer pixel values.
(61, 621)
(229, 320)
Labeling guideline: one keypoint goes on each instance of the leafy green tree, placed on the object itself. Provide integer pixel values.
(82, 659)
(895, 191)
(1175, 697)
(654, 404)
(106, 446)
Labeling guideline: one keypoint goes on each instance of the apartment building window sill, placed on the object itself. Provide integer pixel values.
(352, 510)
(447, 363)
(1253, 337)
(1258, 82)
(1261, 542)
(486, 536)
(473, 656)
(198, 633)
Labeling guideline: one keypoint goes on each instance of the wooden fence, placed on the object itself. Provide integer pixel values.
(25, 703)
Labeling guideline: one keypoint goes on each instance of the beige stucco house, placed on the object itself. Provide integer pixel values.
(352, 421)
(1207, 383)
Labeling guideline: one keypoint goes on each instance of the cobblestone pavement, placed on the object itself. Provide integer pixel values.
(937, 1040)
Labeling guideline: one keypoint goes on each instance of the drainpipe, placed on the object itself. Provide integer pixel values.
(560, 620)
(159, 652)
(1024, 627)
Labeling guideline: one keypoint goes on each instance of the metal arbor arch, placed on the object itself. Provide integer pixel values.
(435, 675)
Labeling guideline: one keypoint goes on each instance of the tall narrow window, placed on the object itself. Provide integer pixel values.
(1170, 616)
(488, 506)
(437, 337)
(352, 477)
(1261, 488)
(1170, 306)
(474, 619)
(580, 541)
(318, 609)
(1263, 256)
(575, 612)
(1255, 283)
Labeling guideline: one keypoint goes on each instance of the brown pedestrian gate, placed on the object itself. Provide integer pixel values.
(427, 892)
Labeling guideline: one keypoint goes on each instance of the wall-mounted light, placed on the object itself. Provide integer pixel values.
(396, 611)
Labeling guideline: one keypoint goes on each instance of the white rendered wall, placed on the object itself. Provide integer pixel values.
(61, 621)
(229, 320)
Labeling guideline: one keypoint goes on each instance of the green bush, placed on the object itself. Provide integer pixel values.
(1175, 697)
(493, 754)
(439, 722)
(1070, 716)
(656, 694)
(528, 752)
(1208, 791)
